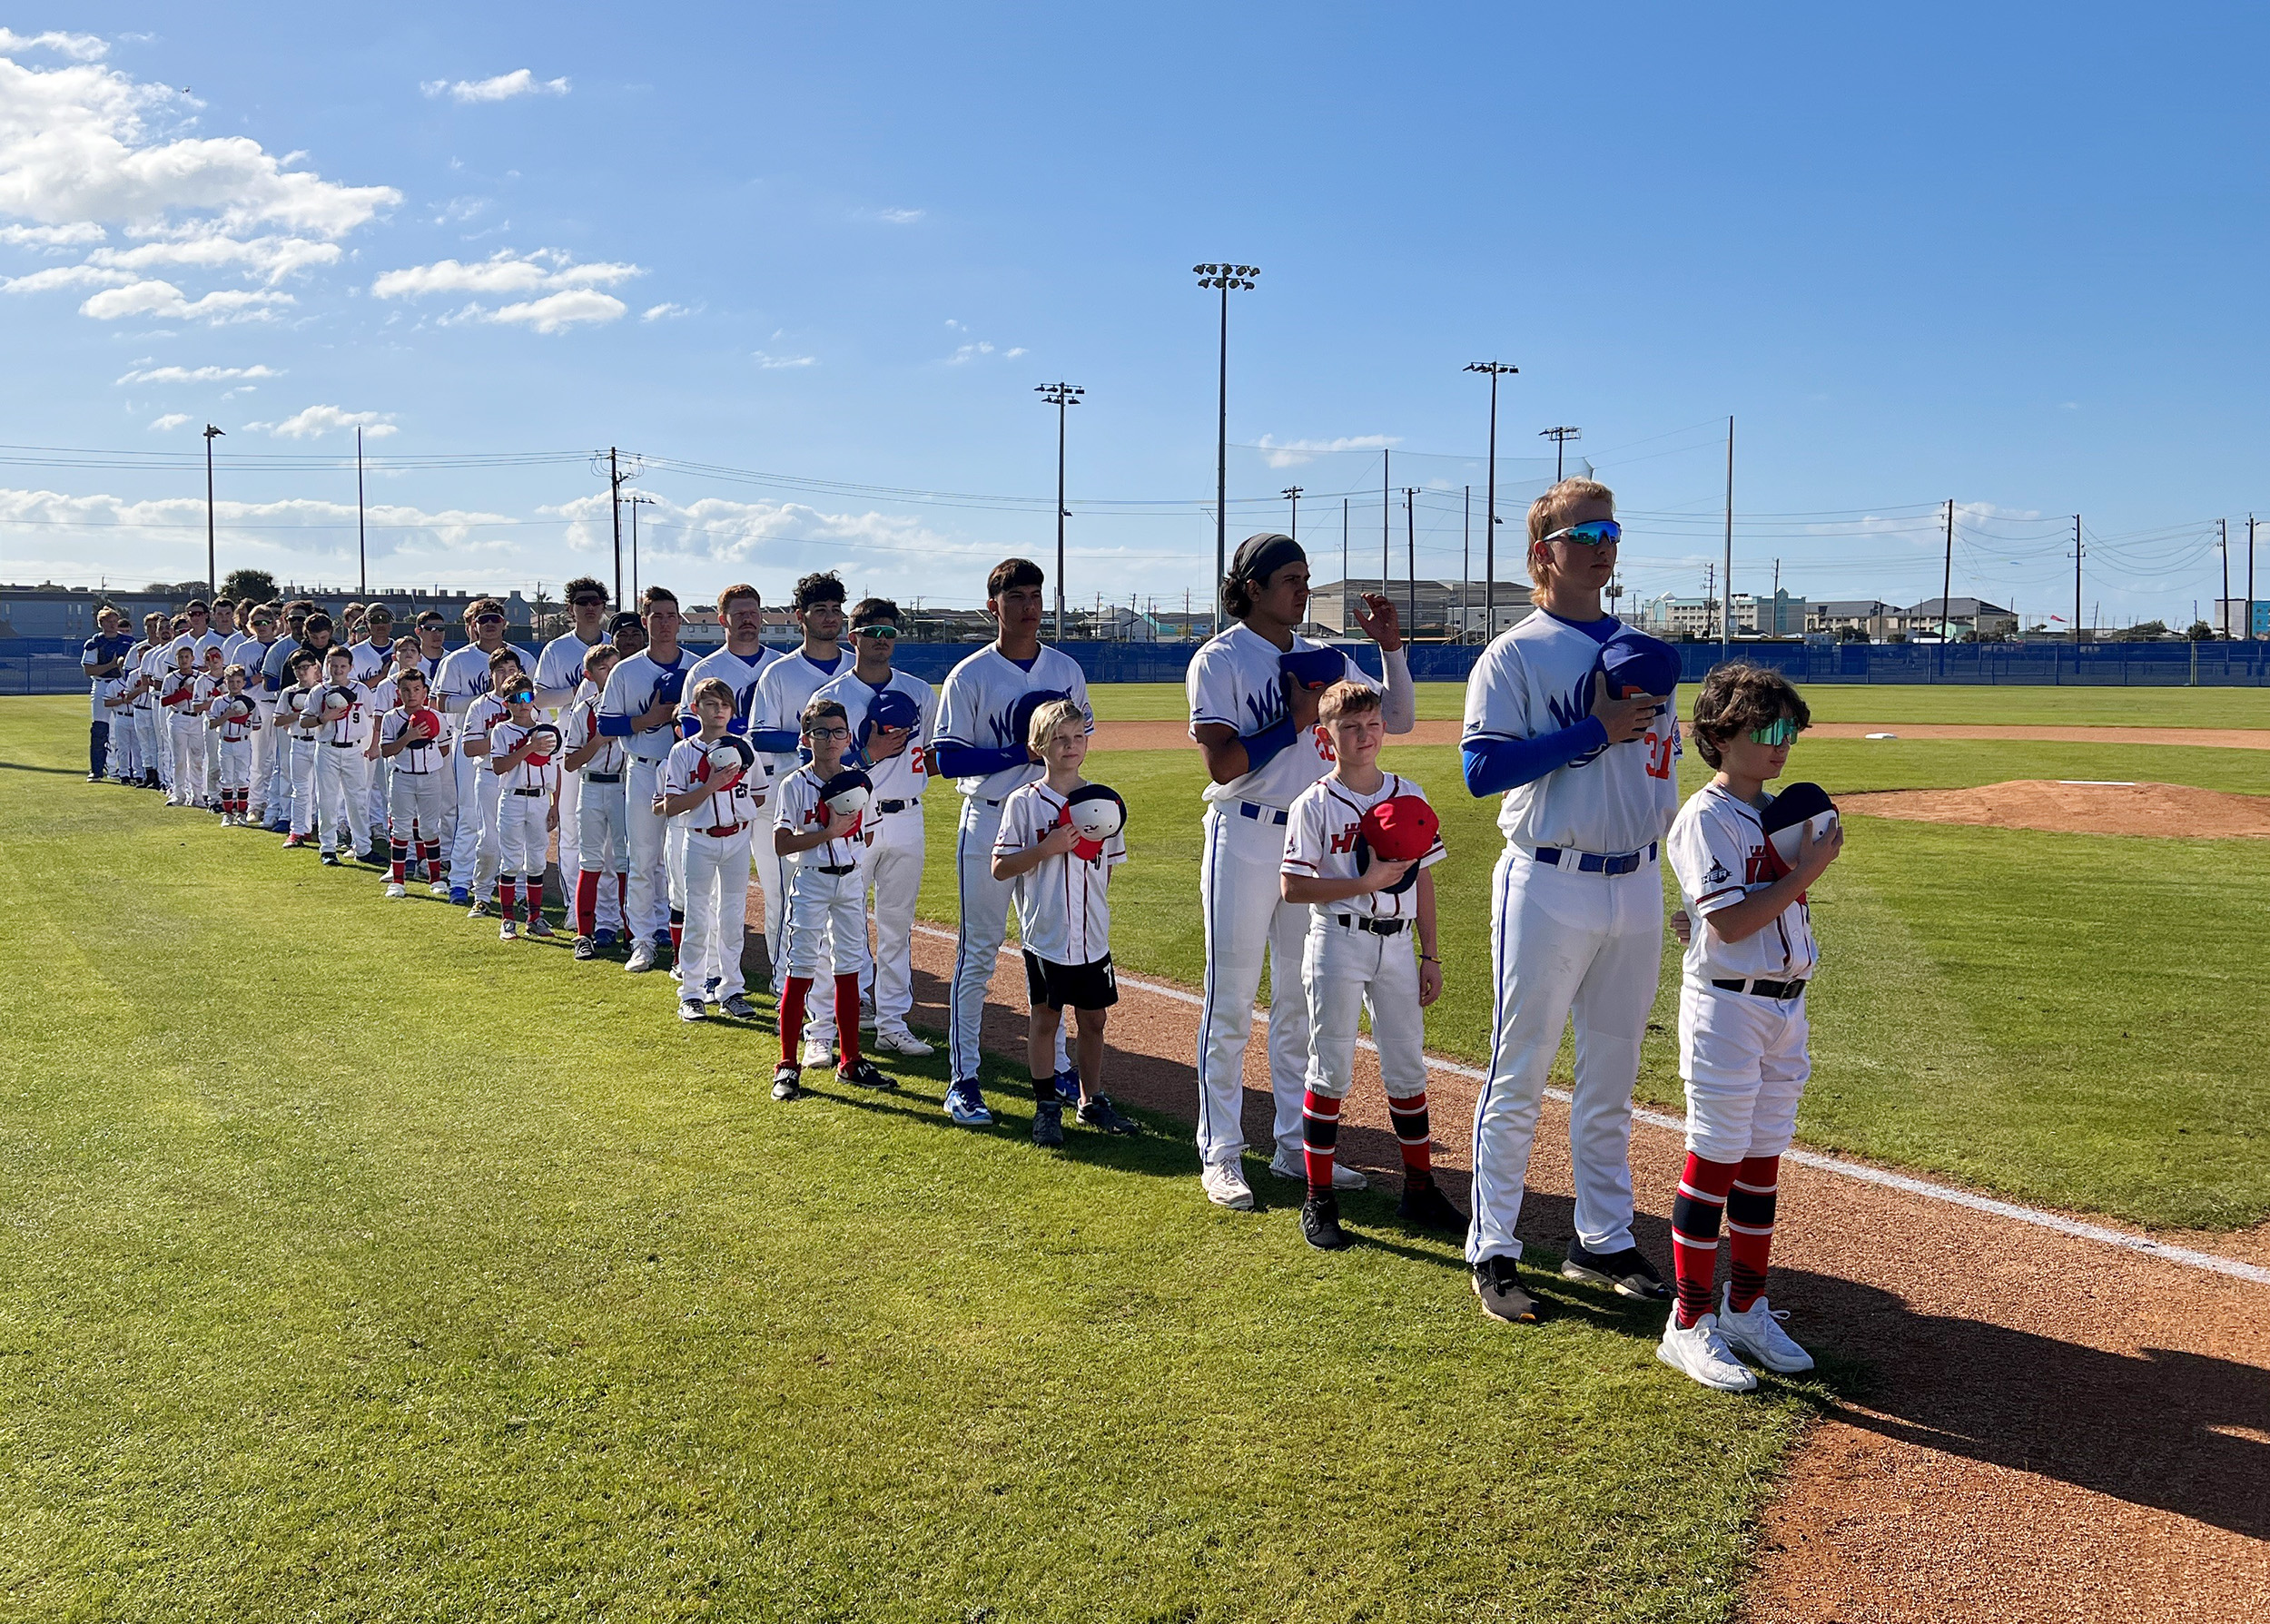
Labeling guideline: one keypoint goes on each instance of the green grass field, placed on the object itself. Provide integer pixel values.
(359, 1267)
(2010, 707)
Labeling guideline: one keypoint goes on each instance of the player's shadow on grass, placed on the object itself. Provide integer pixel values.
(28, 767)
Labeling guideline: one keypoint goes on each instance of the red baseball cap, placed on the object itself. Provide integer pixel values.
(1401, 829)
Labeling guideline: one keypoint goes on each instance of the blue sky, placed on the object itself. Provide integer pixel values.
(2005, 256)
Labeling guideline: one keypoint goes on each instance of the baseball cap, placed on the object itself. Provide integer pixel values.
(622, 621)
(1638, 664)
(1401, 829)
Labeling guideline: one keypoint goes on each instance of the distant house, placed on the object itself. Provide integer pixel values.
(1872, 617)
(1959, 616)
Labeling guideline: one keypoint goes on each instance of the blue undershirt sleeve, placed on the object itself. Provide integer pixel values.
(1264, 746)
(774, 740)
(614, 727)
(967, 761)
(1494, 766)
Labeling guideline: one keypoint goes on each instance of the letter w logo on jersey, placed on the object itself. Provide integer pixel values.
(1572, 709)
(1344, 842)
(1264, 707)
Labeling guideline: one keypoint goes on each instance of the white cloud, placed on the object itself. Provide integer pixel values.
(664, 312)
(1013, 354)
(79, 47)
(570, 295)
(556, 312)
(504, 88)
(968, 352)
(1292, 454)
(774, 363)
(168, 303)
(329, 419)
(271, 258)
(76, 235)
(196, 374)
(173, 419)
(64, 275)
(899, 216)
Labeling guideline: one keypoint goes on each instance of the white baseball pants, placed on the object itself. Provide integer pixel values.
(1565, 942)
(299, 770)
(418, 807)
(125, 744)
(146, 747)
(1345, 971)
(211, 768)
(647, 892)
(161, 744)
(1247, 918)
(766, 862)
(894, 871)
(464, 834)
(188, 787)
(824, 921)
(343, 794)
(983, 908)
(522, 840)
(263, 758)
(717, 909)
(571, 829)
(380, 774)
(489, 788)
(1745, 1063)
(235, 769)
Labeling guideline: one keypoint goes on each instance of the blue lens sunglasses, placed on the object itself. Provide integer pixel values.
(1597, 533)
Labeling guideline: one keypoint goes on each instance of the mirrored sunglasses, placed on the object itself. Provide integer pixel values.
(1778, 733)
(1597, 533)
(488, 620)
(884, 631)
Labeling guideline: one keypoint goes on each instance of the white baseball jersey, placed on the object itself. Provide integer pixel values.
(200, 697)
(108, 688)
(370, 658)
(1720, 853)
(1321, 843)
(1063, 910)
(634, 684)
(196, 646)
(354, 727)
(797, 807)
(534, 772)
(252, 655)
(1236, 679)
(576, 729)
(480, 719)
(906, 774)
(462, 676)
(784, 688)
(232, 648)
(739, 673)
(177, 690)
(976, 706)
(234, 731)
(290, 709)
(558, 669)
(417, 756)
(1538, 679)
(687, 768)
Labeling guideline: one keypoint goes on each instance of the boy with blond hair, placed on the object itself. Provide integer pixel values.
(603, 832)
(713, 784)
(233, 718)
(414, 742)
(521, 747)
(825, 915)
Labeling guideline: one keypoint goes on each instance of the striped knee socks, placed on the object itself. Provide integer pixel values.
(1750, 1227)
(1694, 1215)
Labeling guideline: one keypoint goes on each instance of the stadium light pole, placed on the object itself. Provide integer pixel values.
(1224, 278)
(213, 584)
(1292, 493)
(1496, 370)
(1560, 437)
(1061, 396)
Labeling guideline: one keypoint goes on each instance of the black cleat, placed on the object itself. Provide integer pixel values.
(1628, 1271)
(1497, 1282)
(1104, 1116)
(330, 860)
(787, 1080)
(865, 1075)
(585, 947)
(1048, 1124)
(1429, 1208)
(1320, 1222)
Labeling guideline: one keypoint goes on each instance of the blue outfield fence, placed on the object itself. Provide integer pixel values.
(51, 664)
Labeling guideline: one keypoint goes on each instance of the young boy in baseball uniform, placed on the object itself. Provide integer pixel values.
(639, 706)
(343, 772)
(463, 677)
(1253, 695)
(1365, 908)
(211, 680)
(890, 716)
(825, 915)
(716, 799)
(412, 738)
(252, 655)
(177, 699)
(985, 717)
(1741, 1024)
(1063, 921)
(522, 747)
(598, 762)
(507, 676)
(1587, 777)
(296, 724)
(232, 718)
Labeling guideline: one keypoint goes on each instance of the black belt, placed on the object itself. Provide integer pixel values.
(413, 771)
(1597, 862)
(530, 792)
(1261, 815)
(341, 744)
(1783, 990)
(838, 870)
(1376, 927)
(897, 806)
(591, 777)
(722, 831)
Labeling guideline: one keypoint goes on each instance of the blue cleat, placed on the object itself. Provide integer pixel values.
(604, 937)
(965, 1106)
(1067, 1088)
(460, 897)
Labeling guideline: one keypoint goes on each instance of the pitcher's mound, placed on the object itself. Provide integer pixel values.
(2170, 810)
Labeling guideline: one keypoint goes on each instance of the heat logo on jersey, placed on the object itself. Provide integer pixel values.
(1345, 841)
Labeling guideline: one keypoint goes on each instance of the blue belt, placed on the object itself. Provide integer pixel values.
(1595, 863)
(1262, 814)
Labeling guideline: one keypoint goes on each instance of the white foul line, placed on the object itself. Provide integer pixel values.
(1859, 1171)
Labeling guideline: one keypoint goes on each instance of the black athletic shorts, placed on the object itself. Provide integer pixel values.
(1083, 986)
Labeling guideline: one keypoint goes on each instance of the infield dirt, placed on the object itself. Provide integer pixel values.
(2169, 811)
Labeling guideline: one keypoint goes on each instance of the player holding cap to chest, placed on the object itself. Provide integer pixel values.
(712, 784)
(640, 706)
(413, 737)
(1743, 858)
(1357, 848)
(984, 715)
(463, 677)
(891, 718)
(342, 782)
(1569, 717)
(559, 673)
(233, 718)
(1253, 693)
(523, 751)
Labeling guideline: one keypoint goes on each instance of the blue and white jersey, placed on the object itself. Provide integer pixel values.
(558, 670)
(1538, 679)
(252, 655)
(462, 676)
(632, 687)
(906, 774)
(786, 686)
(976, 706)
(100, 650)
(370, 658)
(196, 646)
(737, 672)
(1236, 679)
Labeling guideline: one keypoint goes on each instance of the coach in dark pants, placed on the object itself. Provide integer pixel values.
(103, 657)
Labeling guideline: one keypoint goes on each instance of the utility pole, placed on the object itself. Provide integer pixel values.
(212, 581)
(1225, 277)
(1061, 396)
(2077, 580)
(1466, 567)
(1292, 494)
(1346, 588)
(1496, 370)
(362, 549)
(618, 469)
(1560, 437)
(2250, 578)
(1777, 599)
(1726, 594)
(1410, 550)
(1945, 585)
(636, 499)
(2222, 528)
(1385, 568)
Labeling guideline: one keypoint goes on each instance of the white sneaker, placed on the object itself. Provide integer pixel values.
(440, 888)
(1290, 1164)
(1225, 1184)
(508, 931)
(818, 1051)
(1757, 1332)
(396, 890)
(900, 1043)
(641, 957)
(1700, 1351)
(691, 1009)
